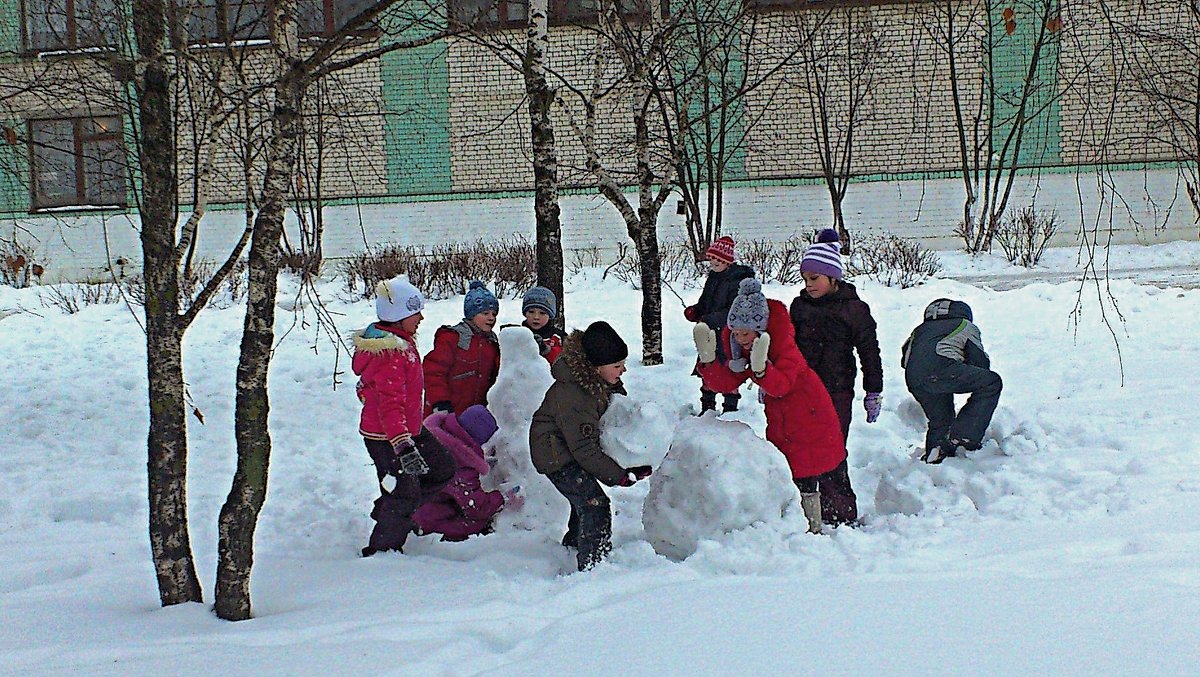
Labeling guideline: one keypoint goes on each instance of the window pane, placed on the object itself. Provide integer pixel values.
(96, 23)
(53, 163)
(345, 10)
(103, 172)
(471, 12)
(311, 15)
(199, 19)
(46, 24)
(246, 19)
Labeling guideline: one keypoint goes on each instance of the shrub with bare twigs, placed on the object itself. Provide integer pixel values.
(892, 260)
(18, 264)
(446, 270)
(71, 297)
(1024, 235)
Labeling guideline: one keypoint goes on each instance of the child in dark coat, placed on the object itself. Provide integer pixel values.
(462, 508)
(801, 421)
(564, 437)
(831, 323)
(944, 355)
(540, 308)
(410, 464)
(465, 358)
(713, 307)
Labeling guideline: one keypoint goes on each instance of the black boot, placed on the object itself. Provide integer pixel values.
(731, 402)
(708, 401)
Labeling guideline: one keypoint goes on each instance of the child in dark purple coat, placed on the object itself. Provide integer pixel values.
(462, 508)
(831, 323)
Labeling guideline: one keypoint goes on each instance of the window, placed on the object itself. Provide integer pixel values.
(50, 25)
(514, 13)
(224, 21)
(324, 17)
(77, 161)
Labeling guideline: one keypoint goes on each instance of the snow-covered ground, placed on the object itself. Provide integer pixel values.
(1066, 546)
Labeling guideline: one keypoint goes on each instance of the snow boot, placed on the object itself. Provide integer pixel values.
(730, 403)
(708, 401)
(811, 504)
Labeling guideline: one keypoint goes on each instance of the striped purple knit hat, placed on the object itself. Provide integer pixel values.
(824, 257)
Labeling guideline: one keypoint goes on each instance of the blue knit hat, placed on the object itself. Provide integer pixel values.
(540, 297)
(479, 299)
(824, 257)
(749, 309)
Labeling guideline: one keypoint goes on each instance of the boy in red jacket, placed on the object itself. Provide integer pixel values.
(801, 421)
(465, 358)
(410, 463)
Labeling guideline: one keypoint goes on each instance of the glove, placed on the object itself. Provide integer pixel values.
(408, 460)
(361, 391)
(443, 406)
(690, 314)
(634, 474)
(706, 342)
(543, 347)
(872, 403)
(758, 353)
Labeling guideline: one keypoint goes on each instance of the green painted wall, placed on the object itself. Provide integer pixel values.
(1041, 143)
(416, 95)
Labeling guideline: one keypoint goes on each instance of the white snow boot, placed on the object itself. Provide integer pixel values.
(811, 504)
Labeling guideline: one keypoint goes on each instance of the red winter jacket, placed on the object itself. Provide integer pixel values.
(461, 368)
(801, 421)
(389, 385)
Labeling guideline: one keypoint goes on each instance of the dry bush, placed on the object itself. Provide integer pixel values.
(1024, 235)
(893, 261)
(586, 257)
(71, 297)
(677, 264)
(18, 264)
(773, 262)
(232, 291)
(446, 270)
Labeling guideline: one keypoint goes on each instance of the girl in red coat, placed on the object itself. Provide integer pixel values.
(465, 358)
(801, 421)
(410, 463)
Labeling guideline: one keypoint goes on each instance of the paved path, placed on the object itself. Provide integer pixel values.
(1187, 277)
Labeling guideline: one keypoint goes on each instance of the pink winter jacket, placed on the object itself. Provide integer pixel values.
(390, 383)
(462, 508)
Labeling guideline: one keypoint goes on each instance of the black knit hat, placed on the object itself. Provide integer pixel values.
(602, 346)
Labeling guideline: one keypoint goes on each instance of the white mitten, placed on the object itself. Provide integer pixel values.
(706, 342)
(758, 353)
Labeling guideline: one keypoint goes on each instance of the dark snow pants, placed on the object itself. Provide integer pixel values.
(393, 511)
(839, 505)
(591, 516)
(936, 396)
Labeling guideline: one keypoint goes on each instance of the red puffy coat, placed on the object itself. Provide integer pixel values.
(461, 368)
(389, 385)
(801, 421)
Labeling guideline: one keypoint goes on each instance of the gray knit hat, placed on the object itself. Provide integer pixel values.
(749, 309)
(540, 297)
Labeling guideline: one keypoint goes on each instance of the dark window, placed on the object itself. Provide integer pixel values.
(515, 13)
(324, 17)
(50, 25)
(77, 161)
(223, 20)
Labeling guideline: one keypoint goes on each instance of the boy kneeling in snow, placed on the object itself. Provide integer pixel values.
(564, 437)
(801, 421)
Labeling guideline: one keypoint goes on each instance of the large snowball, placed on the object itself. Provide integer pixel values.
(718, 477)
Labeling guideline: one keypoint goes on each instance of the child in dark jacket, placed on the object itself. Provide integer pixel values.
(462, 508)
(465, 358)
(801, 421)
(944, 355)
(831, 323)
(540, 308)
(564, 437)
(713, 307)
(410, 464)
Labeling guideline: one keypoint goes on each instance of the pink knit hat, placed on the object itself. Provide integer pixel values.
(722, 248)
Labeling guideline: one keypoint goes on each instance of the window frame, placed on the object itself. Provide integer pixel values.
(80, 139)
(71, 43)
(559, 14)
(328, 25)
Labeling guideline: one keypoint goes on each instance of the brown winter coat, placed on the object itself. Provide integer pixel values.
(566, 428)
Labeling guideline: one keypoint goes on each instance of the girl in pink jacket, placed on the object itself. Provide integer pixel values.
(410, 463)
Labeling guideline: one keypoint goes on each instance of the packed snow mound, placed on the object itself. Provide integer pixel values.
(520, 386)
(718, 477)
(630, 431)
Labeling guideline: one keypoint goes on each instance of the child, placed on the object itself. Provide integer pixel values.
(540, 308)
(409, 462)
(713, 307)
(564, 437)
(801, 421)
(465, 358)
(462, 508)
(944, 355)
(831, 323)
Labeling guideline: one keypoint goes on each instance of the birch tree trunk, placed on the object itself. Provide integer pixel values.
(166, 443)
(545, 158)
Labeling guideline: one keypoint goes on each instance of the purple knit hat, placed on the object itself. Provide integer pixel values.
(824, 257)
(478, 422)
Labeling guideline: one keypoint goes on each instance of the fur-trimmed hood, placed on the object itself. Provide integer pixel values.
(374, 339)
(572, 367)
